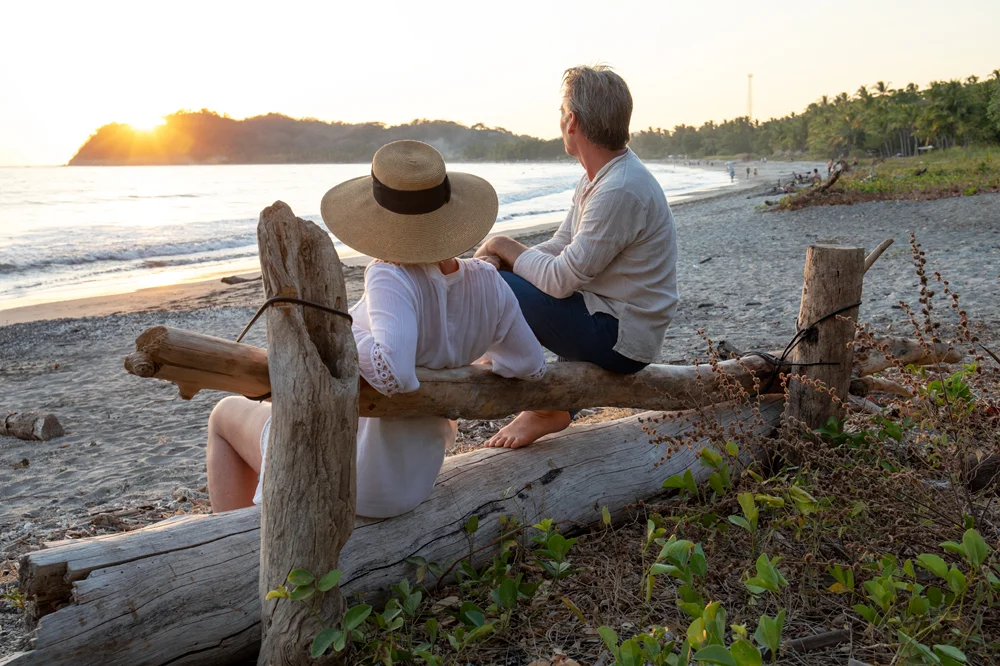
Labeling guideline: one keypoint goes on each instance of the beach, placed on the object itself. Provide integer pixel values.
(133, 451)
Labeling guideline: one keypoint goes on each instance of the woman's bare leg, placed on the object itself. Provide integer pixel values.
(233, 452)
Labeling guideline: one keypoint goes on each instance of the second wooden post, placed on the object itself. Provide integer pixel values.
(309, 482)
(834, 276)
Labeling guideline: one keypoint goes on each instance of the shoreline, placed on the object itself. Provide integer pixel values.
(209, 287)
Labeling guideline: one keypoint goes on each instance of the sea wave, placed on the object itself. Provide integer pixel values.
(130, 252)
(528, 213)
(535, 193)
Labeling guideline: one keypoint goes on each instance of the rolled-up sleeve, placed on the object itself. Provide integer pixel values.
(610, 222)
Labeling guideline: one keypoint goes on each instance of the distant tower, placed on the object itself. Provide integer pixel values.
(749, 97)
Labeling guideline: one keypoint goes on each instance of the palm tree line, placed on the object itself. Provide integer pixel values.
(877, 121)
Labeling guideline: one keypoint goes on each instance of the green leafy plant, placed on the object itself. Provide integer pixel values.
(768, 578)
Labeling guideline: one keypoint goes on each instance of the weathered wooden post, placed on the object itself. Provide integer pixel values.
(833, 281)
(309, 484)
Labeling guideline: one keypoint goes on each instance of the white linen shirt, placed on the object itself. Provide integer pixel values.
(414, 316)
(618, 247)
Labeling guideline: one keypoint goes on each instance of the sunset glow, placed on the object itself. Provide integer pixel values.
(147, 124)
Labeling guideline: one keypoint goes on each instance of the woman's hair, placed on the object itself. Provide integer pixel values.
(602, 104)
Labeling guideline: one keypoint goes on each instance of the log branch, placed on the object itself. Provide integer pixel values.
(877, 252)
(196, 361)
(901, 352)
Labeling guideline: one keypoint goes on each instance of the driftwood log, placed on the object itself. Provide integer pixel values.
(31, 425)
(196, 362)
(309, 489)
(185, 592)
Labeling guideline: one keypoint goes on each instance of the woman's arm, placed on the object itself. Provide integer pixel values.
(387, 353)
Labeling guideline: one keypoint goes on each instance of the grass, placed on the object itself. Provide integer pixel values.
(951, 173)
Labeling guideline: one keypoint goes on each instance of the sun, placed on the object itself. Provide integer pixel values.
(147, 123)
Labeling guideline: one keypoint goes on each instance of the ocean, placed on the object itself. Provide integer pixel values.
(73, 232)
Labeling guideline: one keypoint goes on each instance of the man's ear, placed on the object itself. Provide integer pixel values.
(571, 123)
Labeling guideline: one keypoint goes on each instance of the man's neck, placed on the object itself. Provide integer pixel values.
(595, 158)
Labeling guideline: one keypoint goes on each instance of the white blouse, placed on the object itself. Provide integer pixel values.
(414, 316)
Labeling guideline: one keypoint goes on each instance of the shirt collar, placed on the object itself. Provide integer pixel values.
(607, 167)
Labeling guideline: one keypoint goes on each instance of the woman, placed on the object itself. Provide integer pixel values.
(422, 307)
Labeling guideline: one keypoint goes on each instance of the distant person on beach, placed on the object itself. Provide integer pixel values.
(816, 178)
(748, 173)
(604, 288)
(755, 172)
(421, 307)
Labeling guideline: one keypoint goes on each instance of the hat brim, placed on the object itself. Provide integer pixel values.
(358, 221)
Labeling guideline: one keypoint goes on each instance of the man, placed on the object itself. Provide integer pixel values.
(604, 288)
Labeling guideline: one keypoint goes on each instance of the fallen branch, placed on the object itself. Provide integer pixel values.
(864, 385)
(902, 352)
(194, 362)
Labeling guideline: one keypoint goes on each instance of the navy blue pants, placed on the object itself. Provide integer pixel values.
(565, 327)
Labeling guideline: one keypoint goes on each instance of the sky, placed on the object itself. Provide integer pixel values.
(66, 68)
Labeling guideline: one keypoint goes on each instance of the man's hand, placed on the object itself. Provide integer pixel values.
(492, 260)
(501, 251)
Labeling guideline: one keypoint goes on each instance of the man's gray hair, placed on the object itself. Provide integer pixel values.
(602, 104)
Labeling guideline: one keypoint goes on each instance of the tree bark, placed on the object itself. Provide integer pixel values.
(309, 487)
(185, 591)
(833, 280)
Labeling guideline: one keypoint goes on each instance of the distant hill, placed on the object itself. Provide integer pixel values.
(205, 137)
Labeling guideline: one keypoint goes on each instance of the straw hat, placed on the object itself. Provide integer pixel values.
(410, 210)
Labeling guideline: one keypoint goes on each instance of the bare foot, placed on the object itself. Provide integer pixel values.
(529, 426)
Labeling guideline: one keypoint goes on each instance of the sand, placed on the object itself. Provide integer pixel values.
(133, 451)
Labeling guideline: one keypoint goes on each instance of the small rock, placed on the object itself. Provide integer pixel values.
(706, 305)
(185, 494)
(753, 303)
